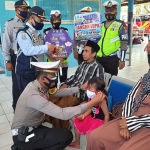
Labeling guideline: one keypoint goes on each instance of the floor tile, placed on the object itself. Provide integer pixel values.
(4, 128)
(7, 107)
(8, 147)
(5, 98)
(6, 139)
(2, 86)
(5, 89)
(3, 119)
(5, 93)
(10, 117)
(1, 111)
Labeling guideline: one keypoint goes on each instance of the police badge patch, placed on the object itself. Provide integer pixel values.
(23, 34)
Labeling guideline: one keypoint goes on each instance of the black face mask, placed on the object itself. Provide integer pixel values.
(38, 26)
(110, 16)
(51, 81)
(56, 25)
(23, 14)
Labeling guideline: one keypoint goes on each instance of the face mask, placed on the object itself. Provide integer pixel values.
(90, 94)
(110, 17)
(38, 26)
(56, 25)
(23, 14)
(53, 80)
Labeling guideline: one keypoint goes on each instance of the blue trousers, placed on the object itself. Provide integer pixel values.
(15, 88)
(23, 81)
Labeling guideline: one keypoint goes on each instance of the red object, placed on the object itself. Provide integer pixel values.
(87, 125)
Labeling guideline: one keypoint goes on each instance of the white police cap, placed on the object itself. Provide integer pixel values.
(46, 66)
(86, 9)
(110, 3)
(55, 13)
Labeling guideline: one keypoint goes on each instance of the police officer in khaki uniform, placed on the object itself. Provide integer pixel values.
(9, 44)
(27, 129)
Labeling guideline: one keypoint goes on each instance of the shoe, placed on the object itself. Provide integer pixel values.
(13, 147)
(73, 145)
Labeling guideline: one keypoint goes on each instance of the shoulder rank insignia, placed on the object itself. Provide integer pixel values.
(52, 91)
(41, 90)
(10, 19)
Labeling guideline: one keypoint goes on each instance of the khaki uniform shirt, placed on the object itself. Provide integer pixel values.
(33, 104)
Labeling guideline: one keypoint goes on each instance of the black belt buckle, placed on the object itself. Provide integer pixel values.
(12, 52)
(22, 133)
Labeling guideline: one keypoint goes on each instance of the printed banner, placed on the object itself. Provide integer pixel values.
(87, 26)
(61, 39)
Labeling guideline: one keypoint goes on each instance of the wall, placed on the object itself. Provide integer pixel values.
(6, 15)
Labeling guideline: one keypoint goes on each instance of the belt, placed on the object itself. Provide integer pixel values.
(113, 54)
(15, 131)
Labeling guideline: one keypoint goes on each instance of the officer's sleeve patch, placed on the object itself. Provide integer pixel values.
(23, 35)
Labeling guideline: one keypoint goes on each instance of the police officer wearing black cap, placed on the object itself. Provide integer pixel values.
(9, 47)
(30, 46)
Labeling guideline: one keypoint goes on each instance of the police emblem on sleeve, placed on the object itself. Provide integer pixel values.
(23, 35)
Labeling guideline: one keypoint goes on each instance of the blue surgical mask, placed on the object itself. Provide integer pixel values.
(23, 14)
(38, 26)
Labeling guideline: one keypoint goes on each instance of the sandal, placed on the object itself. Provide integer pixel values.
(73, 145)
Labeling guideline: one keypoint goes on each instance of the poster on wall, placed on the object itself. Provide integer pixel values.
(9, 5)
(87, 26)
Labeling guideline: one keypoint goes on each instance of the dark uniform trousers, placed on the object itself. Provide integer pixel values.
(67, 101)
(23, 81)
(15, 88)
(64, 74)
(45, 139)
(109, 63)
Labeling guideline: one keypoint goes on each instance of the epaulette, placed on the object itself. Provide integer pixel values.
(10, 19)
(103, 21)
(23, 29)
(118, 20)
(64, 28)
(45, 30)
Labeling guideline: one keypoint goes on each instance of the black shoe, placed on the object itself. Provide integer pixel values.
(13, 147)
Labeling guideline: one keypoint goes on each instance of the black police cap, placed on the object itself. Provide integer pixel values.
(21, 3)
(39, 12)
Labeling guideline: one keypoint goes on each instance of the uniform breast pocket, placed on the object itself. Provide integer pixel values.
(14, 34)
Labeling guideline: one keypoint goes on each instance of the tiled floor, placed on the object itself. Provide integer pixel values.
(134, 72)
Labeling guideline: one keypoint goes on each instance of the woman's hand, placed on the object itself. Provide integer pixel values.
(125, 134)
(122, 123)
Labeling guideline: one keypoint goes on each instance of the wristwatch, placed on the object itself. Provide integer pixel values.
(7, 61)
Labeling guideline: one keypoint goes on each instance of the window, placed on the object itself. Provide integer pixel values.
(68, 8)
